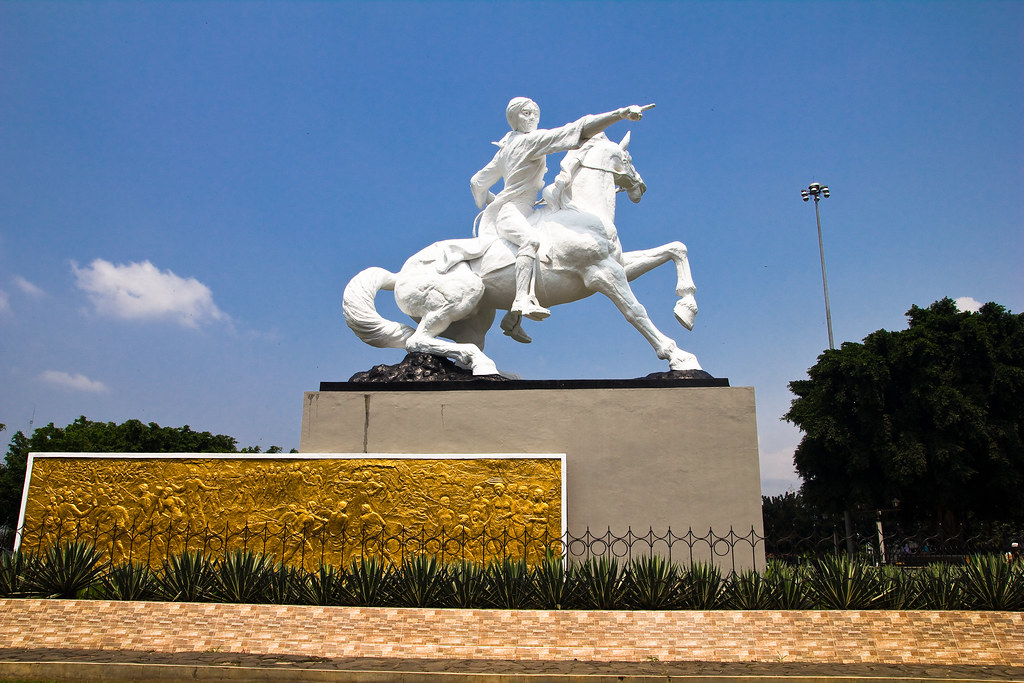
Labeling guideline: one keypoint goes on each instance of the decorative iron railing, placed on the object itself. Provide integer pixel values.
(151, 544)
(894, 546)
(732, 551)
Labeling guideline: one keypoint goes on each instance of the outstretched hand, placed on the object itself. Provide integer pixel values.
(636, 112)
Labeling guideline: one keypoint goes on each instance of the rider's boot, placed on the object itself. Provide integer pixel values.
(525, 303)
(512, 326)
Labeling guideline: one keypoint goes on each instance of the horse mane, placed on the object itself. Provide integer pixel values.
(558, 194)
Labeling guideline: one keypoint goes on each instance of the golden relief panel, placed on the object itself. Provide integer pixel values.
(302, 510)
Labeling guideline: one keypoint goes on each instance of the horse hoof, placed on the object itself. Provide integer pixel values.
(685, 312)
(485, 368)
(684, 361)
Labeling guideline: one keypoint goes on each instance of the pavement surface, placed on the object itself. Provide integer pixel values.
(47, 664)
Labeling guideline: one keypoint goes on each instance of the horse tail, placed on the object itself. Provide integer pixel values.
(361, 313)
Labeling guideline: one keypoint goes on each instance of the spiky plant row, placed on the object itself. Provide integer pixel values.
(77, 570)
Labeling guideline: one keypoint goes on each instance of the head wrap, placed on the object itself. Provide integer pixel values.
(515, 105)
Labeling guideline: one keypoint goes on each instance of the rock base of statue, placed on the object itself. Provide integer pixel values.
(422, 367)
(680, 374)
(662, 453)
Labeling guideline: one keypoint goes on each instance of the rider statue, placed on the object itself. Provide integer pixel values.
(520, 163)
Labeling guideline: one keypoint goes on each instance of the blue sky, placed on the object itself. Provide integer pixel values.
(235, 164)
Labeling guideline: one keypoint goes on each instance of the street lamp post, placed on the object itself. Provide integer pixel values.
(817, 190)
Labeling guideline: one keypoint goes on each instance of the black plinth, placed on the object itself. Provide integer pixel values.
(424, 372)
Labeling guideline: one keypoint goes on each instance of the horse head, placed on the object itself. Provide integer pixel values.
(597, 154)
(605, 155)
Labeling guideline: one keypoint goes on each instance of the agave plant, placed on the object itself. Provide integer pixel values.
(324, 587)
(66, 571)
(286, 585)
(702, 587)
(421, 581)
(14, 568)
(368, 582)
(599, 583)
(243, 576)
(900, 589)
(553, 589)
(787, 585)
(836, 582)
(467, 585)
(652, 582)
(991, 583)
(509, 584)
(130, 581)
(187, 577)
(751, 590)
(938, 586)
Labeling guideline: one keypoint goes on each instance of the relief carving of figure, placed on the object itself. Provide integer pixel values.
(479, 507)
(445, 514)
(192, 489)
(502, 505)
(372, 522)
(337, 519)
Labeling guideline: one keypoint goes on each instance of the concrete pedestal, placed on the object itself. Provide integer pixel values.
(640, 454)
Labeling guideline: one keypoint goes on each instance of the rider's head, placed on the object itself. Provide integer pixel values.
(523, 114)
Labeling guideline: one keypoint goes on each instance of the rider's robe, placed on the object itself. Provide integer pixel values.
(520, 160)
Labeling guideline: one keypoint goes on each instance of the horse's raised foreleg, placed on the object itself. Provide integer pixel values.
(610, 279)
(636, 263)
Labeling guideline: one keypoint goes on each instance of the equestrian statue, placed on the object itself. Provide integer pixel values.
(527, 256)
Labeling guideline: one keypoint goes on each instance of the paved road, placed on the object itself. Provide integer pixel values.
(111, 665)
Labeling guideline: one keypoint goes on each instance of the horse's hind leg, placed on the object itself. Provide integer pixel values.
(472, 330)
(636, 263)
(609, 278)
(426, 340)
(443, 303)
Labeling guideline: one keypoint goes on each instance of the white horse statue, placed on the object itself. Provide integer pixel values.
(453, 288)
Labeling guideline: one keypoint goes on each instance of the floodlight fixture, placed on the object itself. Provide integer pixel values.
(817, 190)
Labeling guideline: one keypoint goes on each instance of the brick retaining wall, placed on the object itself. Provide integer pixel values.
(714, 636)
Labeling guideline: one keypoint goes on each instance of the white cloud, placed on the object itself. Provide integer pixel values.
(966, 303)
(5, 302)
(27, 287)
(76, 381)
(139, 291)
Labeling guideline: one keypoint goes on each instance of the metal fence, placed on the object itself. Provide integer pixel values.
(731, 551)
(894, 545)
(151, 544)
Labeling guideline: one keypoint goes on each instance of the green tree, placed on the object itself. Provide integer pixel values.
(930, 416)
(256, 449)
(86, 436)
(788, 515)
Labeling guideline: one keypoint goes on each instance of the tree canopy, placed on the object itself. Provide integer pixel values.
(789, 516)
(86, 436)
(930, 416)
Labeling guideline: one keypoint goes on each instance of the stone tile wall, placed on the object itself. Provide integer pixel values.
(719, 636)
